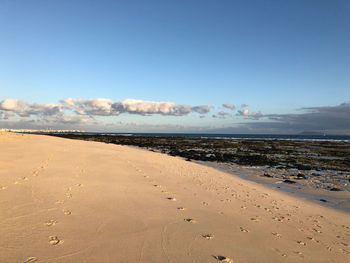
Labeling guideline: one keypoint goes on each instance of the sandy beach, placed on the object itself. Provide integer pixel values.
(67, 200)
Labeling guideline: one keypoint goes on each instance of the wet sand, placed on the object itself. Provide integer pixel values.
(76, 201)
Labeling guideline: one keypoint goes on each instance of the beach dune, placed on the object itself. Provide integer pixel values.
(76, 201)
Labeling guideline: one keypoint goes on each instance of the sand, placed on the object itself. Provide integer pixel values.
(75, 201)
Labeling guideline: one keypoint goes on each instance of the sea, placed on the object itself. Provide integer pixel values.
(235, 136)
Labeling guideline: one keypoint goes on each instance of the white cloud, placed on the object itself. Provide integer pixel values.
(243, 112)
(229, 106)
(14, 105)
(150, 107)
(96, 106)
(77, 110)
(25, 109)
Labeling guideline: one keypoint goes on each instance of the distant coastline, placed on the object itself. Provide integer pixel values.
(41, 131)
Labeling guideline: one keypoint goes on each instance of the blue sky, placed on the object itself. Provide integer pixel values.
(275, 56)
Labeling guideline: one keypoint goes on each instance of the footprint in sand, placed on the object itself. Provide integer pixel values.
(190, 220)
(51, 222)
(53, 240)
(3, 187)
(67, 212)
(344, 251)
(208, 236)
(244, 230)
(157, 185)
(255, 219)
(30, 260)
(181, 208)
(59, 202)
(279, 252)
(299, 253)
(312, 239)
(317, 230)
(223, 259)
(171, 198)
(21, 179)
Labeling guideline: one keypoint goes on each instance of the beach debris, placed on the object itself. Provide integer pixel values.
(301, 243)
(223, 259)
(171, 198)
(323, 200)
(267, 175)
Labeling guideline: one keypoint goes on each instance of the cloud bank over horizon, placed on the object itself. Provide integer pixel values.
(85, 113)
(76, 110)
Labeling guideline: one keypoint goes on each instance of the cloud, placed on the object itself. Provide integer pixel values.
(229, 106)
(202, 109)
(330, 119)
(106, 107)
(96, 106)
(80, 111)
(142, 107)
(316, 118)
(222, 113)
(243, 112)
(14, 105)
(69, 119)
(256, 115)
(25, 109)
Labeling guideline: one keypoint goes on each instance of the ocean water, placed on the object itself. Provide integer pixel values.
(239, 136)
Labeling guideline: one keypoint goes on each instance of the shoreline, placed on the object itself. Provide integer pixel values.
(78, 201)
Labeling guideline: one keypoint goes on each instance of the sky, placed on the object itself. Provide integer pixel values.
(224, 66)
